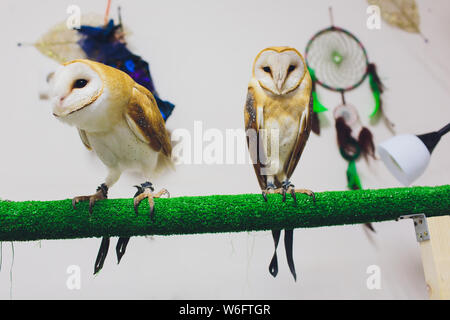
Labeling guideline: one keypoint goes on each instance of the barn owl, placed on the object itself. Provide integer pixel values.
(120, 121)
(278, 112)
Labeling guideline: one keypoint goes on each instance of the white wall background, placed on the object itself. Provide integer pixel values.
(201, 54)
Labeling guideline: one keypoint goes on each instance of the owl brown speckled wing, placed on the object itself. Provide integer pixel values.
(302, 137)
(251, 123)
(145, 120)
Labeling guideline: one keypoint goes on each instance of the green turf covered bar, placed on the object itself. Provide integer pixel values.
(36, 220)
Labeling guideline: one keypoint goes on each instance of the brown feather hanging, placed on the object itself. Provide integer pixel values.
(377, 89)
(365, 141)
(315, 126)
(372, 69)
(344, 136)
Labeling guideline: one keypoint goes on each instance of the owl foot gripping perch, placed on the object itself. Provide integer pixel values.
(145, 190)
(287, 187)
(102, 193)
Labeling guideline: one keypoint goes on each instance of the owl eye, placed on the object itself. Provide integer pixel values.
(267, 69)
(291, 68)
(80, 83)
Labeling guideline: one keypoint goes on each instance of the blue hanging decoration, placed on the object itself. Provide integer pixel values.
(106, 44)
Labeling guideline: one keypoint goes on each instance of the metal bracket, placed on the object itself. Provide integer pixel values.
(420, 225)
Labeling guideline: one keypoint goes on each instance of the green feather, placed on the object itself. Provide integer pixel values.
(376, 94)
(317, 106)
(353, 180)
(312, 73)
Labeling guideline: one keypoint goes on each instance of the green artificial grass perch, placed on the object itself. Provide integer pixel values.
(36, 220)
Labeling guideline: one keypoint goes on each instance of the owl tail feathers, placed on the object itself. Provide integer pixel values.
(165, 107)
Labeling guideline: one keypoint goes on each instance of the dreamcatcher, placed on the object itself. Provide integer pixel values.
(338, 61)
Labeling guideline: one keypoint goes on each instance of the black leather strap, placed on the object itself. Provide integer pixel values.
(121, 247)
(288, 245)
(273, 267)
(101, 256)
(144, 186)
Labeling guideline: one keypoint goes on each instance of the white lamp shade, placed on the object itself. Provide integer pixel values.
(406, 157)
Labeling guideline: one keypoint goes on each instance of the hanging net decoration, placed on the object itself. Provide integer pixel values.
(338, 61)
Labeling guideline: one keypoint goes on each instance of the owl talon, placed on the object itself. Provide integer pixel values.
(152, 212)
(264, 196)
(102, 193)
(145, 190)
(294, 196)
(307, 192)
(270, 189)
(289, 187)
(91, 205)
(78, 199)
